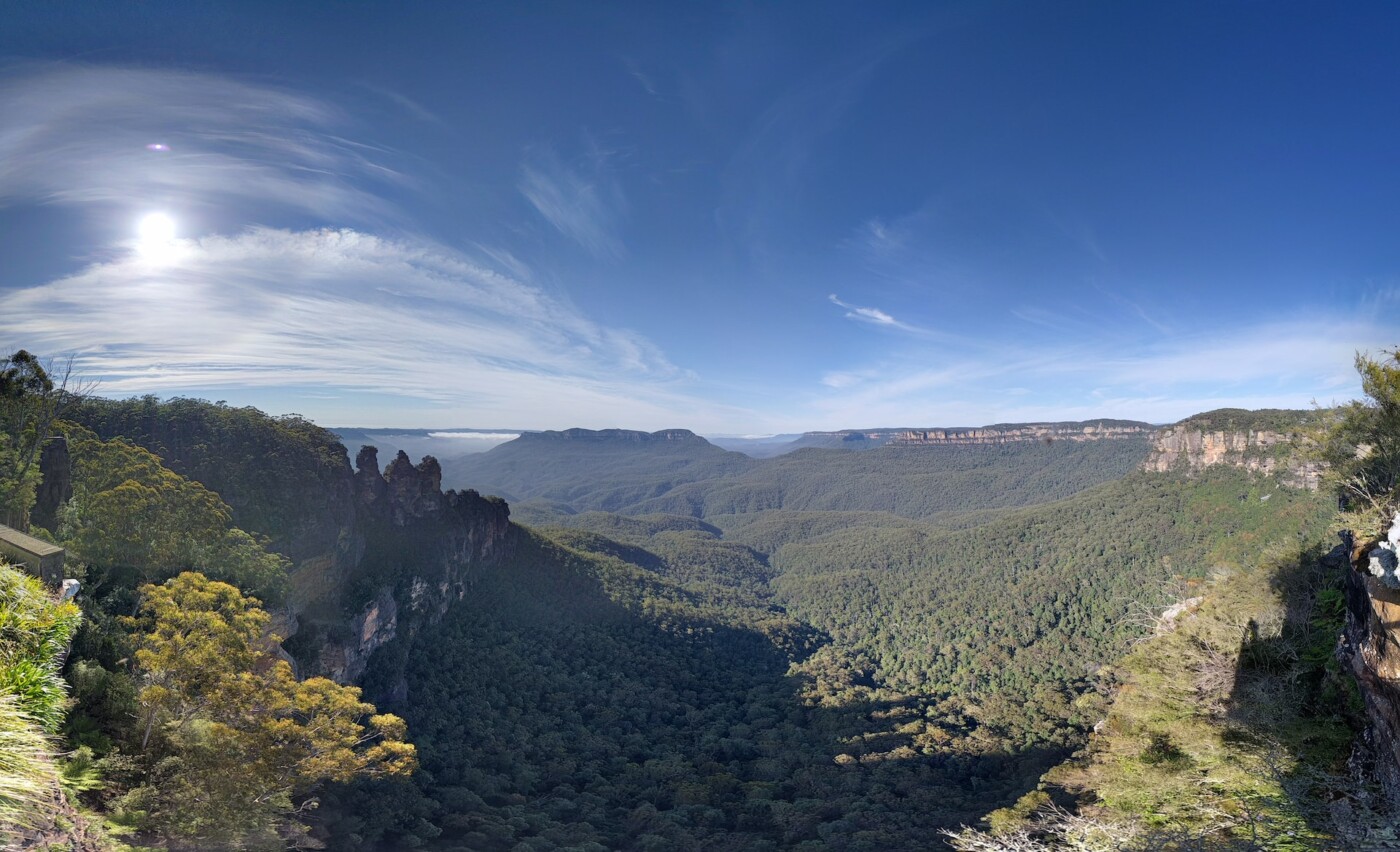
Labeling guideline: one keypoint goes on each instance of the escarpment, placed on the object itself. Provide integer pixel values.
(409, 551)
(1092, 430)
(1001, 433)
(1264, 442)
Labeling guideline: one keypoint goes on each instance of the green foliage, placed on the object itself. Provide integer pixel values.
(625, 709)
(29, 404)
(1362, 446)
(1282, 420)
(608, 475)
(129, 511)
(232, 738)
(34, 633)
(912, 482)
(27, 776)
(695, 478)
(277, 473)
(1232, 726)
(1031, 603)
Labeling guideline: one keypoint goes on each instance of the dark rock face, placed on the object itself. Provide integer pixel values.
(370, 488)
(57, 485)
(1370, 647)
(410, 549)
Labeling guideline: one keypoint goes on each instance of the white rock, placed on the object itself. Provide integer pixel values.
(1394, 536)
(1382, 562)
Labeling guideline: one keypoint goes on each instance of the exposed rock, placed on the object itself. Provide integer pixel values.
(56, 487)
(1370, 647)
(1167, 621)
(1186, 447)
(376, 626)
(370, 488)
(1089, 430)
(1381, 560)
(418, 546)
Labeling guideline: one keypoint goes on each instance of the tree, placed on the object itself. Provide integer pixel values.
(1362, 445)
(236, 743)
(31, 402)
(130, 511)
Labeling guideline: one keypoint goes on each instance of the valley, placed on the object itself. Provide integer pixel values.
(656, 643)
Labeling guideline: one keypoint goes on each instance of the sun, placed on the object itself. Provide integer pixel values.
(155, 236)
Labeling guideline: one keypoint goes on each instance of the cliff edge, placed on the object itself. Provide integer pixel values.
(1265, 441)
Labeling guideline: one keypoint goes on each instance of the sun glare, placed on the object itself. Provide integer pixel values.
(155, 236)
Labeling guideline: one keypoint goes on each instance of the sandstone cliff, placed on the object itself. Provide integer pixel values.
(408, 552)
(1261, 442)
(1092, 430)
(1370, 647)
(1001, 433)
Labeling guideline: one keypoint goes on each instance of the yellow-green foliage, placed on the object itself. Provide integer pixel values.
(27, 775)
(34, 631)
(238, 741)
(1227, 725)
(130, 511)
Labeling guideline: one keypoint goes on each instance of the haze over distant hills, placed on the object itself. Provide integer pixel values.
(439, 443)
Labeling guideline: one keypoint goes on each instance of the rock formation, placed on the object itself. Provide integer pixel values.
(1381, 560)
(1370, 647)
(1188, 446)
(1089, 430)
(56, 486)
(410, 551)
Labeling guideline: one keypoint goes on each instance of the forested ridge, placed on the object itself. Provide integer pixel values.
(828, 650)
(696, 478)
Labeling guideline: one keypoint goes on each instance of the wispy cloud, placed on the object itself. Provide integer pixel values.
(647, 83)
(1266, 364)
(405, 103)
(874, 316)
(587, 207)
(81, 135)
(880, 239)
(344, 310)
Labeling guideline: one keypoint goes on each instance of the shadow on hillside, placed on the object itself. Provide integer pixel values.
(556, 708)
(1290, 699)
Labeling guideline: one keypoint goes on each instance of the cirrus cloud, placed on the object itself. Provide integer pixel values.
(341, 309)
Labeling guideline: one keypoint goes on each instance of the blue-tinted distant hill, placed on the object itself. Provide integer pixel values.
(609, 470)
(925, 473)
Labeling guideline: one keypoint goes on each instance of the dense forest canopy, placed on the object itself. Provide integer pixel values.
(683, 648)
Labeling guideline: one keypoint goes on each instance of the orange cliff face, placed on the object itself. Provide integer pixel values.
(1187, 447)
(1023, 432)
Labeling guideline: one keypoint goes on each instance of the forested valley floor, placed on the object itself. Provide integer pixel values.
(673, 648)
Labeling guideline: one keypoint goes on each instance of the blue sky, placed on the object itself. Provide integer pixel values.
(737, 218)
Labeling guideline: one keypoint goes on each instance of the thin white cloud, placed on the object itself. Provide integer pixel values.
(346, 311)
(648, 85)
(82, 135)
(586, 208)
(880, 239)
(1266, 365)
(874, 316)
